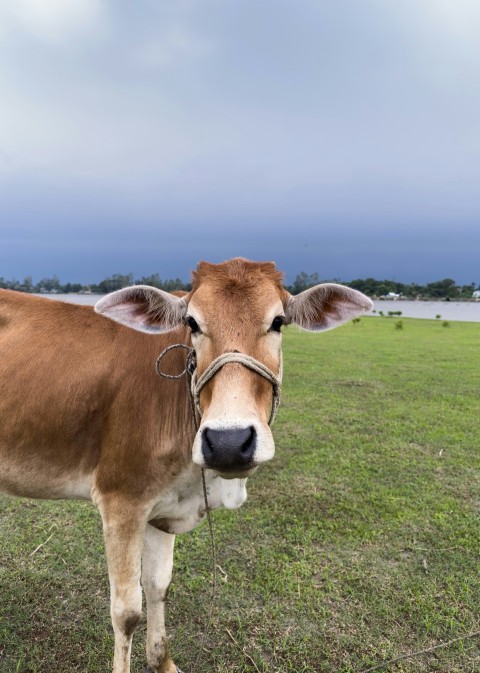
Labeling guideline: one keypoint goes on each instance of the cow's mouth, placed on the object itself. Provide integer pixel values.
(239, 473)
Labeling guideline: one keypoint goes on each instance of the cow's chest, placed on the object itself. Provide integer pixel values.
(182, 506)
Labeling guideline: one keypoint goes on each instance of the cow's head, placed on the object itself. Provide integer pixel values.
(238, 306)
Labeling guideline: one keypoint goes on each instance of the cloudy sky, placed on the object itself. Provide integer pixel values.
(336, 136)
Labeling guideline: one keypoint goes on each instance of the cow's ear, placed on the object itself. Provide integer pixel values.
(143, 308)
(326, 306)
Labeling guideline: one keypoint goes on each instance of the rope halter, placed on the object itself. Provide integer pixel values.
(197, 384)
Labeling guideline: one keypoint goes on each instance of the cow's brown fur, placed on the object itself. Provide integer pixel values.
(83, 413)
(239, 275)
(80, 394)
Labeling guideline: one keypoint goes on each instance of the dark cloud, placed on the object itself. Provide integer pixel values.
(341, 138)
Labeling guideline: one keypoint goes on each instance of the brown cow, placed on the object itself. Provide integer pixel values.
(83, 413)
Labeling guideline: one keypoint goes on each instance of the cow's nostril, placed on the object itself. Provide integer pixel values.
(229, 448)
(250, 440)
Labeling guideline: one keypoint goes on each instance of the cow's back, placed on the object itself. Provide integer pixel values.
(79, 400)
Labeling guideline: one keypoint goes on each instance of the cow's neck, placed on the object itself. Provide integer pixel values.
(182, 506)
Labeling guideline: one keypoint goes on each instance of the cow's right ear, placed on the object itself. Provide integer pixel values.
(144, 308)
(326, 306)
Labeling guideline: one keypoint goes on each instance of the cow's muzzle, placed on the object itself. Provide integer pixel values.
(230, 450)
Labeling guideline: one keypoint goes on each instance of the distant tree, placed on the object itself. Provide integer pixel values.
(115, 282)
(176, 284)
(377, 288)
(27, 285)
(303, 281)
(414, 290)
(368, 285)
(72, 287)
(154, 280)
(467, 290)
(13, 284)
(48, 284)
(442, 289)
(300, 283)
(168, 285)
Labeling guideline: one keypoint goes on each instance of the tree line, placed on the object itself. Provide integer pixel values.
(440, 289)
(115, 282)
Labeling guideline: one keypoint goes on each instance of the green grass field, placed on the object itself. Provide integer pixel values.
(360, 542)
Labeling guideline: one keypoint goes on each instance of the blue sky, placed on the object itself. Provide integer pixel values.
(335, 136)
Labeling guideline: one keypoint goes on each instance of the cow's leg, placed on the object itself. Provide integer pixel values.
(124, 529)
(157, 562)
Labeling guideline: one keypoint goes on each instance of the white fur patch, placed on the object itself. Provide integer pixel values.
(183, 505)
(233, 492)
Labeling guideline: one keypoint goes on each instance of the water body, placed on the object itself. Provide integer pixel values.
(448, 310)
(468, 311)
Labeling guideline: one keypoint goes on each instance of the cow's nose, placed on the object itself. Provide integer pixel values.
(229, 449)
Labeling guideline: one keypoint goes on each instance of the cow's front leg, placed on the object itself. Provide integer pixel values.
(124, 530)
(157, 562)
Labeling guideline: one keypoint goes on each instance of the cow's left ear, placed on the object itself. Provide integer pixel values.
(144, 308)
(326, 306)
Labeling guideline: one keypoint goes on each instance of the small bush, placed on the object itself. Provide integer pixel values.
(380, 313)
(445, 323)
(394, 313)
(356, 321)
(399, 324)
(438, 316)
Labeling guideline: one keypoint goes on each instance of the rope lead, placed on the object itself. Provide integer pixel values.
(194, 388)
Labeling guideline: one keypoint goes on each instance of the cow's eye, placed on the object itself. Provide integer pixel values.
(193, 324)
(277, 323)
